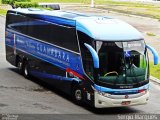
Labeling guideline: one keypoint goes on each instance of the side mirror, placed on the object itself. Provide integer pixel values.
(94, 55)
(155, 54)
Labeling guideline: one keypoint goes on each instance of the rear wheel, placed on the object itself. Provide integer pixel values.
(26, 70)
(77, 95)
(20, 66)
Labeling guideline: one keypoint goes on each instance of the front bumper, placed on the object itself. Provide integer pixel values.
(104, 102)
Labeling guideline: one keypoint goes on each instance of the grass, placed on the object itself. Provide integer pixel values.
(63, 1)
(155, 70)
(150, 34)
(3, 12)
(135, 8)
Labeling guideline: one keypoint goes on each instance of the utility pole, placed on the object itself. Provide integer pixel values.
(92, 3)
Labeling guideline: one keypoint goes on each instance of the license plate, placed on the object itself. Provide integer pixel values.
(126, 102)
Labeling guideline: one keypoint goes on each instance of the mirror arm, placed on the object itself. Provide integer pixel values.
(155, 54)
(94, 55)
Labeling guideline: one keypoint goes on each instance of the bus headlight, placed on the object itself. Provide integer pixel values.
(104, 94)
(101, 93)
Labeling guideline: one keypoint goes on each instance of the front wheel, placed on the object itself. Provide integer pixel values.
(77, 95)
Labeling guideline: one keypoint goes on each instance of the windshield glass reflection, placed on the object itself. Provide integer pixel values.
(122, 62)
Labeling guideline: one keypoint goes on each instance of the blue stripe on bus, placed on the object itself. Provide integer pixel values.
(120, 91)
(50, 76)
(80, 27)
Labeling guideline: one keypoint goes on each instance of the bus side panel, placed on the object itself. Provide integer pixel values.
(47, 72)
(10, 48)
(49, 62)
(54, 55)
(51, 74)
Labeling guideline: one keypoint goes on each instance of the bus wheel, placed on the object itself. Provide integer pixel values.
(20, 66)
(26, 70)
(77, 95)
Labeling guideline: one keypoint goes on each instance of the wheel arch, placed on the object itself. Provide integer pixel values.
(75, 82)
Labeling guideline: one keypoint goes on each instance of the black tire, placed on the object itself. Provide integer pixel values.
(26, 70)
(20, 66)
(77, 95)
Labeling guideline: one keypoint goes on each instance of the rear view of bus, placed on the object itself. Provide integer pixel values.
(121, 68)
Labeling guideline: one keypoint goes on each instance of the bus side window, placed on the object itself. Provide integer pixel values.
(58, 35)
(17, 22)
(62, 36)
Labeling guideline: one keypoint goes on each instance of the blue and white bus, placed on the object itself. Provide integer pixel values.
(98, 60)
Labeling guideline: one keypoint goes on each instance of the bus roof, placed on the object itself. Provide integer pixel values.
(97, 27)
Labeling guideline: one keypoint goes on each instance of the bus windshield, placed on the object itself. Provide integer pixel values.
(122, 62)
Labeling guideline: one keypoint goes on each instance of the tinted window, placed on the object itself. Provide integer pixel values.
(122, 63)
(59, 35)
(17, 22)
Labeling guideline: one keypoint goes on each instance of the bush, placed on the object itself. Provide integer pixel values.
(21, 0)
(7, 1)
(11, 2)
(25, 4)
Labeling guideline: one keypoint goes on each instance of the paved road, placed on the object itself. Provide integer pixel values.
(19, 95)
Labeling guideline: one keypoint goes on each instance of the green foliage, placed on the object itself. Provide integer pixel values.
(11, 2)
(7, 1)
(3, 12)
(21, 0)
(20, 3)
(64, 1)
(150, 34)
(59, 1)
(25, 4)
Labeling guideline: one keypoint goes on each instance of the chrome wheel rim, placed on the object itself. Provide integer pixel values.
(26, 71)
(19, 65)
(78, 94)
